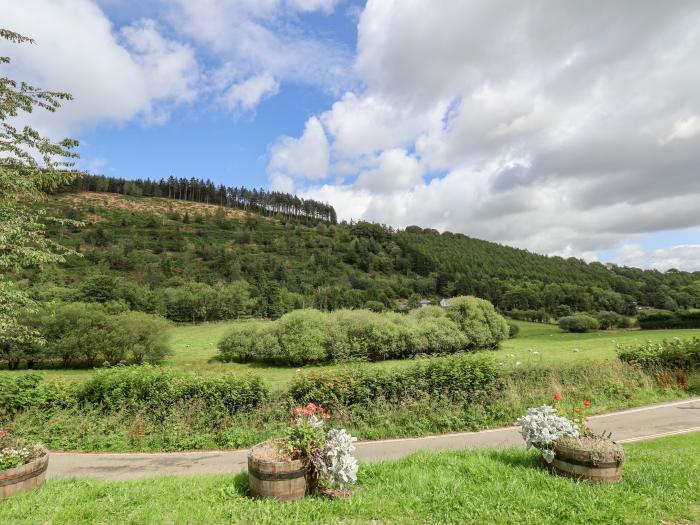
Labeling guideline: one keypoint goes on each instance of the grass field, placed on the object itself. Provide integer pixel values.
(661, 484)
(195, 345)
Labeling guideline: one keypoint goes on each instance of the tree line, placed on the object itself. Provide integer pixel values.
(267, 203)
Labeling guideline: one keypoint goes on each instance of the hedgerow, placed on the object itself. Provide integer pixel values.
(662, 319)
(310, 336)
(460, 378)
(674, 353)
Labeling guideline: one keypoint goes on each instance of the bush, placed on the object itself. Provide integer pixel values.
(79, 334)
(149, 388)
(513, 330)
(19, 392)
(477, 318)
(612, 320)
(578, 323)
(463, 378)
(676, 353)
(661, 319)
(309, 336)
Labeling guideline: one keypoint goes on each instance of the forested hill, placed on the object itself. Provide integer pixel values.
(194, 261)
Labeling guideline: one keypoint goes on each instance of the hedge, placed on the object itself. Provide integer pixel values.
(579, 323)
(674, 353)
(661, 319)
(148, 387)
(463, 378)
(311, 337)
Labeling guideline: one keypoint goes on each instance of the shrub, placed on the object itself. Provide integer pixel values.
(79, 334)
(249, 341)
(612, 320)
(428, 312)
(360, 334)
(578, 323)
(462, 378)
(151, 388)
(513, 330)
(302, 337)
(676, 353)
(477, 318)
(19, 392)
(436, 335)
(661, 319)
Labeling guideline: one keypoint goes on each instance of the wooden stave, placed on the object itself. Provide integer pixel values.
(281, 480)
(577, 464)
(23, 478)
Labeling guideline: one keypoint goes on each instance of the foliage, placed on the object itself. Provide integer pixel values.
(149, 388)
(29, 164)
(463, 378)
(612, 320)
(306, 433)
(15, 451)
(661, 319)
(338, 464)
(87, 335)
(309, 336)
(675, 354)
(579, 323)
(479, 320)
(513, 330)
(273, 203)
(542, 426)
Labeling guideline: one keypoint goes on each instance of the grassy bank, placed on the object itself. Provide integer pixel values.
(661, 484)
(187, 423)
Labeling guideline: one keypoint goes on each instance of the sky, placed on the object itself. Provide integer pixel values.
(564, 127)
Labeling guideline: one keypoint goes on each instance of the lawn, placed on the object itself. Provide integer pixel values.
(661, 484)
(195, 345)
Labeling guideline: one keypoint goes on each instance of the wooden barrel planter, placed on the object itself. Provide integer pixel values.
(583, 463)
(24, 478)
(284, 480)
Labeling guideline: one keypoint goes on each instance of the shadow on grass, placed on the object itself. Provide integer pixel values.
(240, 484)
(516, 459)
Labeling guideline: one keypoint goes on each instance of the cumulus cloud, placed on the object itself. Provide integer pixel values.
(308, 6)
(247, 94)
(114, 76)
(685, 256)
(395, 170)
(306, 157)
(551, 126)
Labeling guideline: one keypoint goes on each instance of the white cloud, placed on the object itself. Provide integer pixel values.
(247, 95)
(566, 130)
(685, 256)
(308, 6)
(306, 157)
(113, 76)
(395, 170)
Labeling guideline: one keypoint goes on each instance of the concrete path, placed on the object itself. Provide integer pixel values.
(627, 426)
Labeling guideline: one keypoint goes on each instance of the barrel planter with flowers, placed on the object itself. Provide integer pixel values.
(569, 447)
(22, 465)
(310, 458)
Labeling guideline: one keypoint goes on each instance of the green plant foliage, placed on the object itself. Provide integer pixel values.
(309, 336)
(662, 319)
(149, 388)
(579, 323)
(675, 354)
(477, 318)
(463, 378)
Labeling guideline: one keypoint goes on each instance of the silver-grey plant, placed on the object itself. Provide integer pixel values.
(542, 426)
(339, 462)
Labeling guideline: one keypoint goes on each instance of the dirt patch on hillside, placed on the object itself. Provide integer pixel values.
(152, 205)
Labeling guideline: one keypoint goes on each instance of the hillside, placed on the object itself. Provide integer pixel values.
(194, 261)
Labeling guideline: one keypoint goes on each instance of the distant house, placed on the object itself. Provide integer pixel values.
(401, 304)
(424, 302)
(444, 303)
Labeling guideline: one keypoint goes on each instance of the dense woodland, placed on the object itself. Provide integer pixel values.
(197, 266)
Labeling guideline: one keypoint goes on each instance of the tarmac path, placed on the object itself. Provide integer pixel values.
(627, 426)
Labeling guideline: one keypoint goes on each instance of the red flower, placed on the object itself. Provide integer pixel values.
(298, 410)
(557, 396)
(311, 407)
(326, 415)
(586, 403)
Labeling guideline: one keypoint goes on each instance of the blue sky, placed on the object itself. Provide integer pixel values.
(553, 127)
